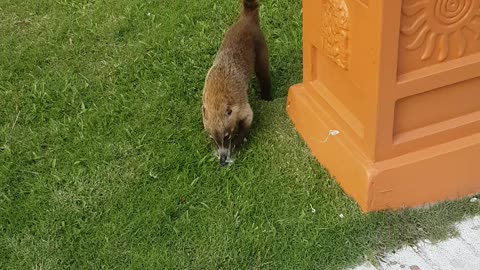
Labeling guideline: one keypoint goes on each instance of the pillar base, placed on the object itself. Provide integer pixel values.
(443, 172)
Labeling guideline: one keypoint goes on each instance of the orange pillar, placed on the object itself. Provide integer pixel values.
(400, 81)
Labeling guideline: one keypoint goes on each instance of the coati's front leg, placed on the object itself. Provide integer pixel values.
(262, 69)
(243, 128)
(242, 133)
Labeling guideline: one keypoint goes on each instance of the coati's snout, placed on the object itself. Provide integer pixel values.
(224, 154)
(224, 146)
(220, 125)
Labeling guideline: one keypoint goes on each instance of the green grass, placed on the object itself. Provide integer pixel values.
(104, 163)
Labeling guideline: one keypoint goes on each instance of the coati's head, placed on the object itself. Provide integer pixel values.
(220, 122)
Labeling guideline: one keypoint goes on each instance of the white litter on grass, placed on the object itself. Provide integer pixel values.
(474, 199)
(341, 216)
(153, 175)
(229, 160)
(313, 209)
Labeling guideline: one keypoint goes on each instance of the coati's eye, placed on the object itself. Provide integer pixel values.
(229, 112)
(227, 136)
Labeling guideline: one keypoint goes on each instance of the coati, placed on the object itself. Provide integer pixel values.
(227, 115)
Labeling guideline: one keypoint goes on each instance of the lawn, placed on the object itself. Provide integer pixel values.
(104, 163)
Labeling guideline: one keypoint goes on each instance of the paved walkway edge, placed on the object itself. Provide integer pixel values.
(459, 253)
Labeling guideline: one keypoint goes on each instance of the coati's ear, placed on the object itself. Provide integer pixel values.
(229, 111)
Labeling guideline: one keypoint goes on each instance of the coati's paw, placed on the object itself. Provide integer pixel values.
(239, 142)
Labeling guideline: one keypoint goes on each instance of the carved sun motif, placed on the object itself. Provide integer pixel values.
(437, 22)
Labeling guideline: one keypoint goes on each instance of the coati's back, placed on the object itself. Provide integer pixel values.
(235, 59)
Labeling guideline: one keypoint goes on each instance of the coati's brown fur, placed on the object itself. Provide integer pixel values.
(225, 100)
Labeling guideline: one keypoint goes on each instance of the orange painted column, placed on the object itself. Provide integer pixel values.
(400, 81)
